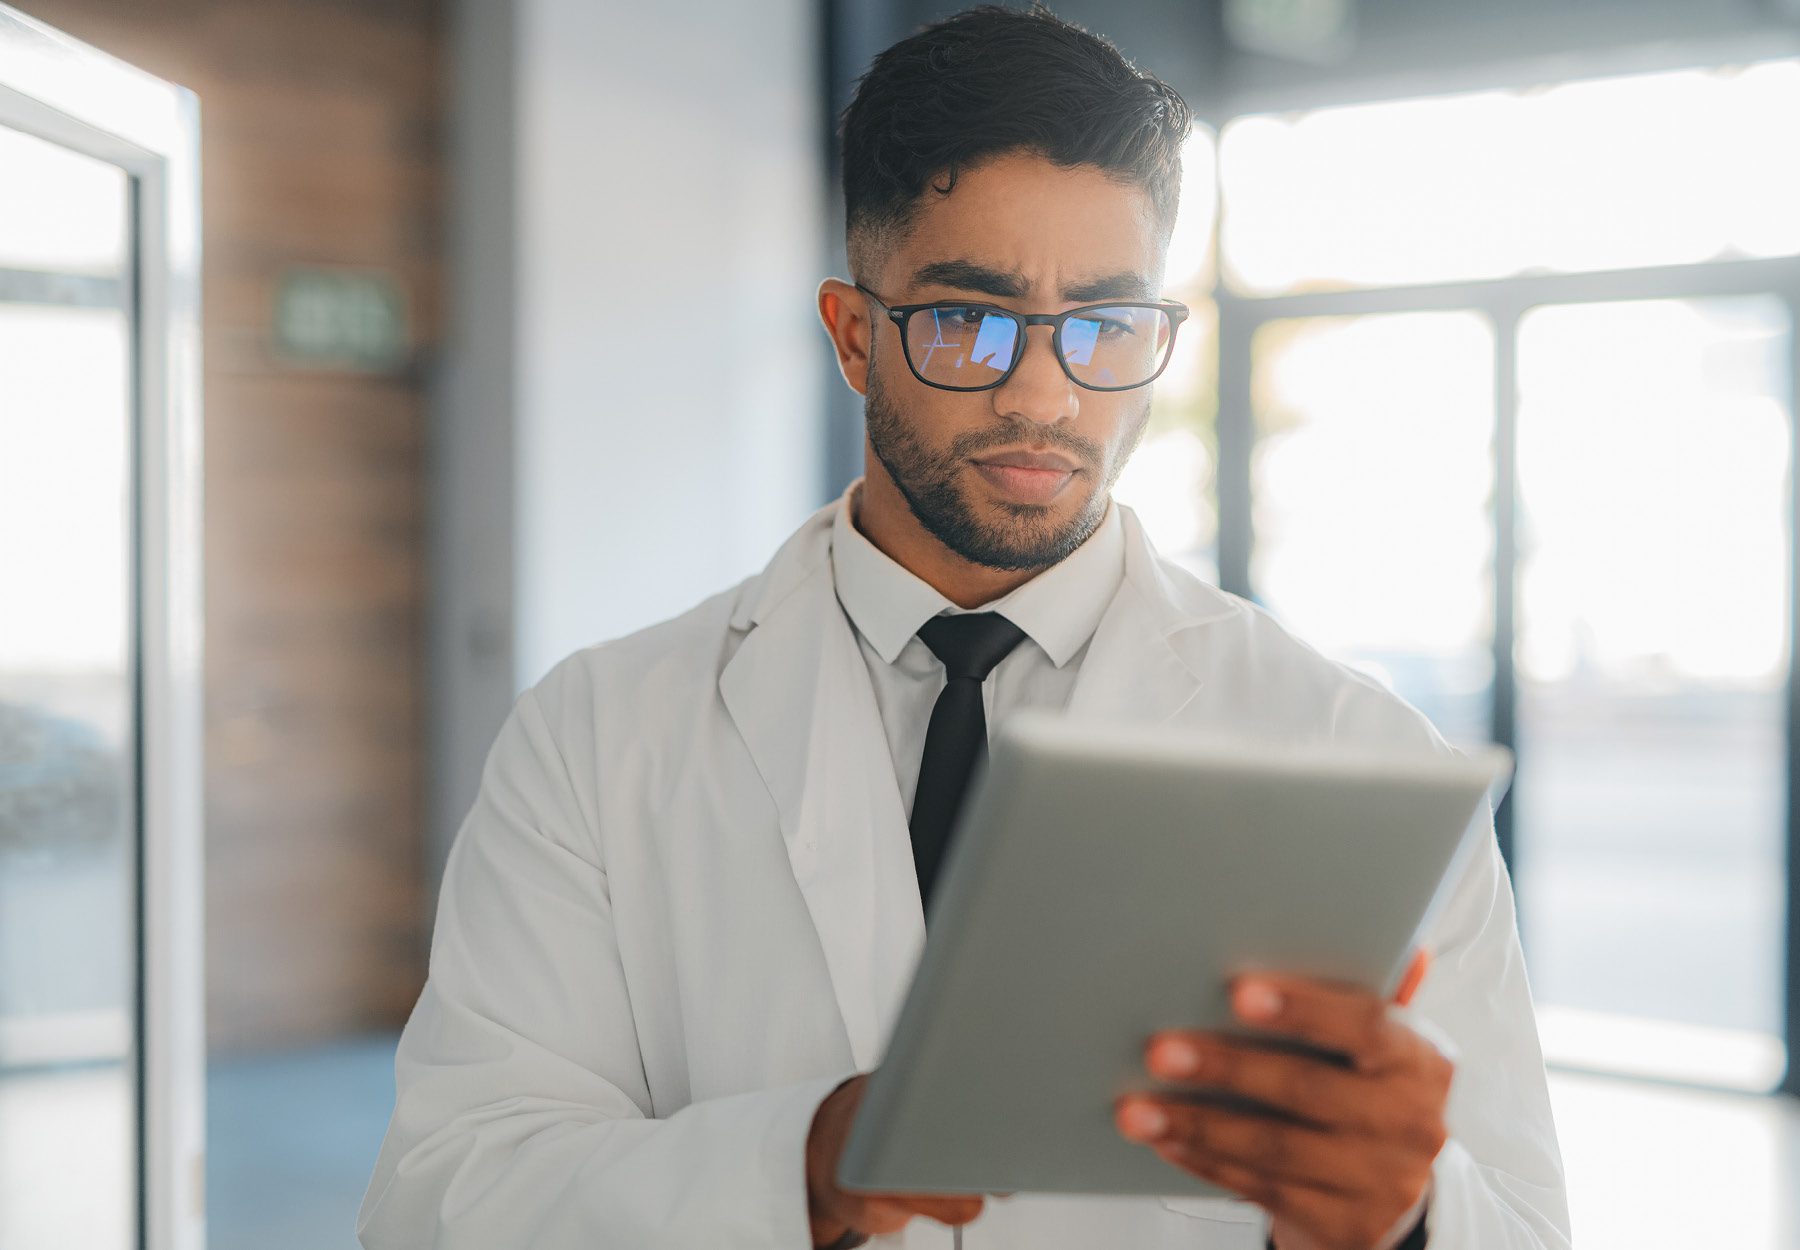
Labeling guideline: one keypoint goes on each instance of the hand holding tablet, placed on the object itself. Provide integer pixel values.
(1110, 888)
(1347, 1156)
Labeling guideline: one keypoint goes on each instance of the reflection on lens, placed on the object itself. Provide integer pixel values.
(1117, 347)
(965, 347)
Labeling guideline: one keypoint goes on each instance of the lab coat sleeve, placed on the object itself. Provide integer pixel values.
(1498, 1183)
(523, 1115)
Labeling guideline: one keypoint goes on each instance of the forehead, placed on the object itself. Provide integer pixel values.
(1052, 226)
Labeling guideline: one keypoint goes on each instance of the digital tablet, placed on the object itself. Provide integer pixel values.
(1105, 884)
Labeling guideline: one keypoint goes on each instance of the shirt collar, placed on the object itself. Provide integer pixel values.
(1059, 609)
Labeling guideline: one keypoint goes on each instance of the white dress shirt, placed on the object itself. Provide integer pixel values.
(1058, 609)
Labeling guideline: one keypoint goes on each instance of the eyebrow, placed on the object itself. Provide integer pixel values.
(1126, 285)
(966, 275)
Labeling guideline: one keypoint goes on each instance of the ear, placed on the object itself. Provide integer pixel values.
(845, 313)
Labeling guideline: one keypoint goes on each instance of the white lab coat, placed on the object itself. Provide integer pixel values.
(683, 909)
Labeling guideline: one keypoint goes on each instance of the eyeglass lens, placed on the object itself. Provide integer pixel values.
(967, 346)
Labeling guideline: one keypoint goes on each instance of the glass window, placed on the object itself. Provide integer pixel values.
(1653, 587)
(60, 211)
(1651, 169)
(1169, 482)
(68, 821)
(1371, 477)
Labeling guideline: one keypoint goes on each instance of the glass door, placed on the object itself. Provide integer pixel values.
(1372, 474)
(68, 704)
(1651, 822)
(101, 1044)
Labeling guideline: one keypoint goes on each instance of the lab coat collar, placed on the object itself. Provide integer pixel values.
(799, 693)
(1143, 664)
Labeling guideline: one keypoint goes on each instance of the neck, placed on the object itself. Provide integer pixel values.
(886, 519)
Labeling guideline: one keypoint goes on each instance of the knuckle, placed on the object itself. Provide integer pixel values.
(1191, 1130)
(1227, 1064)
(1270, 1142)
(1297, 1086)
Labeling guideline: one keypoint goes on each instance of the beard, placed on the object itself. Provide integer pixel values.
(1023, 537)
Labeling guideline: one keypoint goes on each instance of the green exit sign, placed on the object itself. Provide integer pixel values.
(341, 319)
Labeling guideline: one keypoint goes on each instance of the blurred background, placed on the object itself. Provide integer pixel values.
(1488, 392)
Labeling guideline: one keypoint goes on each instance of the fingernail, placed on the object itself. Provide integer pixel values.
(1259, 1000)
(1175, 1056)
(1142, 1121)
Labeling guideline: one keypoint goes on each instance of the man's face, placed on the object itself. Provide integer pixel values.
(1015, 477)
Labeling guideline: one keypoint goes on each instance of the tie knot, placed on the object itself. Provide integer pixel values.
(972, 643)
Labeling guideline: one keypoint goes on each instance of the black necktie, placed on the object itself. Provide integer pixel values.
(969, 646)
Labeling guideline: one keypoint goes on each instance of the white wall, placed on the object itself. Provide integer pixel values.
(629, 413)
(470, 626)
(670, 201)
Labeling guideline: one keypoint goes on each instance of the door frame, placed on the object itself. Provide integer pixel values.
(78, 97)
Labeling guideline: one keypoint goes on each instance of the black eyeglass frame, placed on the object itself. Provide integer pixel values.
(901, 314)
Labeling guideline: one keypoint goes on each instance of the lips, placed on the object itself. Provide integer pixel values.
(1027, 477)
(1044, 461)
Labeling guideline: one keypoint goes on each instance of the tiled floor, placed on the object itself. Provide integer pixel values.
(65, 1158)
(1659, 1167)
(292, 1140)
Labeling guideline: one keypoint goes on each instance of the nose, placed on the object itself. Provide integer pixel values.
(1038, 390)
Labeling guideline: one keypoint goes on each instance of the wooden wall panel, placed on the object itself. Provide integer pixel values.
(320, 125)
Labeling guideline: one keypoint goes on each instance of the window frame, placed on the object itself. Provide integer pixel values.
(79, 98)
(1505, 301)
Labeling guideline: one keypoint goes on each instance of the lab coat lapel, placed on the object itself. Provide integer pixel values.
(799, 693)
(1134, 671)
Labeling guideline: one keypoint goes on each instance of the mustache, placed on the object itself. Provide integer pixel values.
(1085, 451)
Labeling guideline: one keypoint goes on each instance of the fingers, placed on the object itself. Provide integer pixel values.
(889, 1213)
(1300, 1085)
(1407, 1110)
(1275, 1196)
(1314, 1179)
(1341, 1018)
(1302, 1207)
(1270, 1148)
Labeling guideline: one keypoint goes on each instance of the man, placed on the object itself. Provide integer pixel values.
(683, 913)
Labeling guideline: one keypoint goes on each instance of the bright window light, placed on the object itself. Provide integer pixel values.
(1652, 169)
(59, 211)
(1654, 538)
(1371, 480)
(1169, 481)
(63, 493)
(1189, 268)
(1653, 444)
(1661, 1050)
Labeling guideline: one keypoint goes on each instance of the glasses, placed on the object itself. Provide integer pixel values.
(976, 347)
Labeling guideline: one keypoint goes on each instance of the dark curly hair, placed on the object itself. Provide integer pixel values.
(990, 81)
